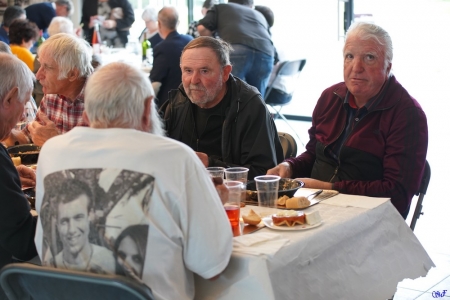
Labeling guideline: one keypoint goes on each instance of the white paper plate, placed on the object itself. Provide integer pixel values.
(269, 223)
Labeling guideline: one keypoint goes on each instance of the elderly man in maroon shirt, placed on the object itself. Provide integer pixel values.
(368, 135)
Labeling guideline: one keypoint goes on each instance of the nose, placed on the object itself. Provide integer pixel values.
(39, 73)
(195, 78)
(358, 65)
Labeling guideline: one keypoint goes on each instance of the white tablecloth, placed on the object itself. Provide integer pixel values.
(357, 253)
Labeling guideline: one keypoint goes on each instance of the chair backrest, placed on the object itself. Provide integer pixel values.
(288, 144)
(284, 79)
(26, 281)
(421, 193)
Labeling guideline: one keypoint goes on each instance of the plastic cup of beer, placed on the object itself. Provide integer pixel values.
(267, 188)
(216, 172)
(233, 204)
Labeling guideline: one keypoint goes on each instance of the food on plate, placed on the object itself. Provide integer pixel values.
(252, 218)
(297, 202)
(282, 200)
(251, 196)
(242, 204)
(16, 160)
(289, 218)
(313, 218)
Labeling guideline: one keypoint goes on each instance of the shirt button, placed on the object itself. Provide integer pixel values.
(356, 119)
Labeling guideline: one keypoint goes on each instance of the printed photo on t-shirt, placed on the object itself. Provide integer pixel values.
(94, 220)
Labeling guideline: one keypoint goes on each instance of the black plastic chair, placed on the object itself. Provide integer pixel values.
(26, 281)
(288, 144)
(287, 72)
(421, 193)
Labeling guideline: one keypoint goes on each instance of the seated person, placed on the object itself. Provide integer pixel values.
(159, 194)
(10, 14)
(22, 35)
(165, 74)
(17, 225)
(368, 136)
(192, 30)
(65, 66)
(150, 32)
(218, 115)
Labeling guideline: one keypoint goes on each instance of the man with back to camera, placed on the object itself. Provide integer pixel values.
(165, 74)
(237, 23)
(17, 225)
(218, 115)
(368, 136)
(43, 13)
(177, 196)
(11, 13)
(65, 66)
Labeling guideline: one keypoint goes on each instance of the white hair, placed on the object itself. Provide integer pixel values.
(15, 73)
(150, 14)
(115, 96)
(60, 25)
(69, 53)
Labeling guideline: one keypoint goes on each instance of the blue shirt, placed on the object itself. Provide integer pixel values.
(4, 35)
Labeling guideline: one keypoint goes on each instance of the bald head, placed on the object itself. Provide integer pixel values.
(168, 18)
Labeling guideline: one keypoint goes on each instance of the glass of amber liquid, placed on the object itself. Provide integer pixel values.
(233, 204)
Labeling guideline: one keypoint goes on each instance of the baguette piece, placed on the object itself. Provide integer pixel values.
(297, 202)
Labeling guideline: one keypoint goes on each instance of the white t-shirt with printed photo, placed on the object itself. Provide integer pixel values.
(152, 205)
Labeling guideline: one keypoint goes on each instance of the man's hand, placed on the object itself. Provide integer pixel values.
(283, 170)
(316, 184)
(203, 157)
(40, 133)
(221, 188)
(27, 176)
(109, 24)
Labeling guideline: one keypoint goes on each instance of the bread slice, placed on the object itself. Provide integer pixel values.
(297, 202)
(252, 218)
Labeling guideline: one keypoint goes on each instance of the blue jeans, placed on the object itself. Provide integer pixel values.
(252, 66)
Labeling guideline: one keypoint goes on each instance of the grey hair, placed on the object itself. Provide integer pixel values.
(4, 47)
(67, 3)
(370, 31)
(69, 52)
(220, 47)
(15, 73)
(115, 97)
(60, 25)
(149, 14)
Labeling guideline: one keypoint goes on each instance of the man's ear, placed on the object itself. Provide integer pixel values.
(8, 100)
(73, 74)
(226, 72)
(145, 120)
(85, 118)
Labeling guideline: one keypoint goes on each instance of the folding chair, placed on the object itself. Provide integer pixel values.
(421, 193)
(288, 144)
(26, 281)
(280, 90)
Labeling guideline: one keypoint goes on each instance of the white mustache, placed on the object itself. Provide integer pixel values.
(197, 87)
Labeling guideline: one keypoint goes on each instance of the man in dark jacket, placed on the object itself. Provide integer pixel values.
(17, 225)
(43, 13)
(368, 135)
(218, 115)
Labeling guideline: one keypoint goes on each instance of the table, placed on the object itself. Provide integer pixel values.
(357, 253)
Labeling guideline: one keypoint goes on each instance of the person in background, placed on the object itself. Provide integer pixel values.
(65, 66)
(192, 31)
(22, 35)
(218, 115)
(115, 18)
(237, 23)
(42, 13)
(166, 74)
(17, 225)
(11, 13)
(168, 187)
(150, 33)
(368, 135)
